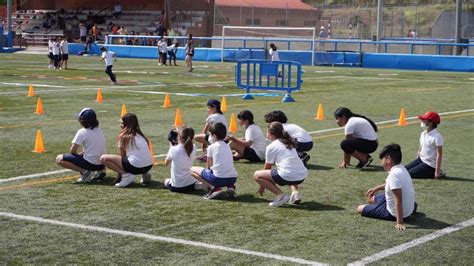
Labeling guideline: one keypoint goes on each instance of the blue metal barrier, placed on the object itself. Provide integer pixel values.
(265, 75)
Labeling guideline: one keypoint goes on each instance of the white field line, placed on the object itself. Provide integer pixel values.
(388, 78)
(161, 238)
(413, 243)
(163, 155)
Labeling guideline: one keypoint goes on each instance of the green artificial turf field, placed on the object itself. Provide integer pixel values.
(324, 228)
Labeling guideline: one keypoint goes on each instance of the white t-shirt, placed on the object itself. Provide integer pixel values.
(55, 48)
(288, 164)
(255, 134)
(215, 118)
(64, 47)
(273, 55)
(429, 140)
(181, 165)
(222, 160)
(164, 47)
(82, 31)
(297, 133)
(399, 178)
(93, 144)
(139, 154)
(360, 128)
(109, 57)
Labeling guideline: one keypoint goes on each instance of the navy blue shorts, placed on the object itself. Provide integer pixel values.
(65, 57)
(251, 155)
(210, 178)
(185, 189)
(304, 146)
(282, 182)
(78, 160)
(362, 145)
(132, 169)
(378, 210)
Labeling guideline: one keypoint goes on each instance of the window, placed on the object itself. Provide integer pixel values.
(222, 20)
(256, 21)
(282, 22)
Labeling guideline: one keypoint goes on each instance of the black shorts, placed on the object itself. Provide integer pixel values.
(185, 189)
(360, 145)
(132, 169)
(83, 38)
(303, 146)
(251, 155)
(78, 160)
(50, 56)
(282, 182)
(65, 57)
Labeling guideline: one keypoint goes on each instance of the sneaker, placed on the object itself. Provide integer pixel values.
(99, 175)
(146, 178)
(279, 200)
(365, 164)
(85, 177)
(216, 191)
(231, 192)
(295, 198)
(305, 159)
(113, 83)
(127, 179)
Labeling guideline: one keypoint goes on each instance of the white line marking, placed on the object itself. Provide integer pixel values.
(311, 132)
(389, 78)
(413, 243)
(34, 175)
(161, 238)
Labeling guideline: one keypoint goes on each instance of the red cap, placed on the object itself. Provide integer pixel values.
(432, 116)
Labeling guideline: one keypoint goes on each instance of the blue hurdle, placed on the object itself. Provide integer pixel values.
(265, 75)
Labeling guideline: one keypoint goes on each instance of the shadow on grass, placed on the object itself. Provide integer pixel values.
(373, 168)
(313, 206)
(453, 178)
(319, 167)
(420, 221)
(110, 181)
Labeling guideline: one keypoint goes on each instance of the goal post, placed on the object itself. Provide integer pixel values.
(266, 34)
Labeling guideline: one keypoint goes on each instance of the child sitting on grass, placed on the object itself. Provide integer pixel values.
(220, 171)
(398, 201)
(430, 152)
(134, 158)
(92, 139)
(181, 157)
(251, 148)
(289, 168)
(215, 116)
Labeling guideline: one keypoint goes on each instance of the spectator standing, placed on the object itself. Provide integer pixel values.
(82, 32)
(117, 9)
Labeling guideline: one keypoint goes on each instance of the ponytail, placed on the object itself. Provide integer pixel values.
(186, 136)
(276, 129)
(370, 121)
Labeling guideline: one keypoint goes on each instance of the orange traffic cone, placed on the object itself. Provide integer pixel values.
(39, 146)
(402, 121)
(224, 104)
(124, 110)
(320, 113)
(167, 102)
(178, 122)
(39, 107)
(150, 147)
(99, 98)
(31, 91)
(233, 124)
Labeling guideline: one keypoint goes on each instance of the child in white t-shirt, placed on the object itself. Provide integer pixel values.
(430, 152)
(220, 171)
(181, 157)
(215, 116)
(398, 201)
(92, 140)
(109, 58)
(304, 142)
(290, 170)
(253, 146)
(360, 137)
(134, 158)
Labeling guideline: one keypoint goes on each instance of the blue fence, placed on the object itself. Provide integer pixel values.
(265, 75)
(337, 58)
